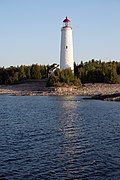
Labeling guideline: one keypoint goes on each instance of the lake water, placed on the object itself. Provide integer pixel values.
(59, 138)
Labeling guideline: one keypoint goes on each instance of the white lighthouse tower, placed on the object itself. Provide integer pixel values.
(66, 53)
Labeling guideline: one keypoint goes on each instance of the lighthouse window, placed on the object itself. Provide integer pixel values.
(66, 47)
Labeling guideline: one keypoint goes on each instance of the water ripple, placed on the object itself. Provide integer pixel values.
(59, 138)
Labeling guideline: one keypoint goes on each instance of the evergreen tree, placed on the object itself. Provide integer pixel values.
(22, 74)
(35, 71)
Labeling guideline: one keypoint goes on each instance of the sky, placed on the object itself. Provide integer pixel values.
(30, 30)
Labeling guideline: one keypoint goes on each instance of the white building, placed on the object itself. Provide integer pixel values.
(66, 52)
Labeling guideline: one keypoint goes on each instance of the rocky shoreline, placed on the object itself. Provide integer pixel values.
(97, 91)
(110, 97)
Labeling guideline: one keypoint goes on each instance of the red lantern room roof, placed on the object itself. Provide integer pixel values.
(66, 20)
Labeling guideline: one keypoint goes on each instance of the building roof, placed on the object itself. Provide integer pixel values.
(66, 19)
(54, 68)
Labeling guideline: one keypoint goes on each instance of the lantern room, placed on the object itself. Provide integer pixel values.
(66, 22)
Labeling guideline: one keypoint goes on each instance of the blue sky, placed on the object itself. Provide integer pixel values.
(30, 30)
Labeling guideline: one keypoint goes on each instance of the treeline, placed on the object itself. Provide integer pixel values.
(88, 72)
(93, 71)
(98, 72)
(12, 75)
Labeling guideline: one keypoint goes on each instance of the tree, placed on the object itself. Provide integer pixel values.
(64, 77)
(27, 72)
(22, 74)
(5, 77)
(35, 71)
(52, 80)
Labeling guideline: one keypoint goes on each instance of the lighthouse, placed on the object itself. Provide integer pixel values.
(66, 52)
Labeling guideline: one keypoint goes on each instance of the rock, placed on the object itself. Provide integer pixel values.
(107, 97)
(98, 91)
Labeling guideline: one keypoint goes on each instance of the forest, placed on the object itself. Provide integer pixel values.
(13, 75)
(93, 71)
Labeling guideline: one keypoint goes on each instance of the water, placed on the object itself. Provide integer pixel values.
(59, 138)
